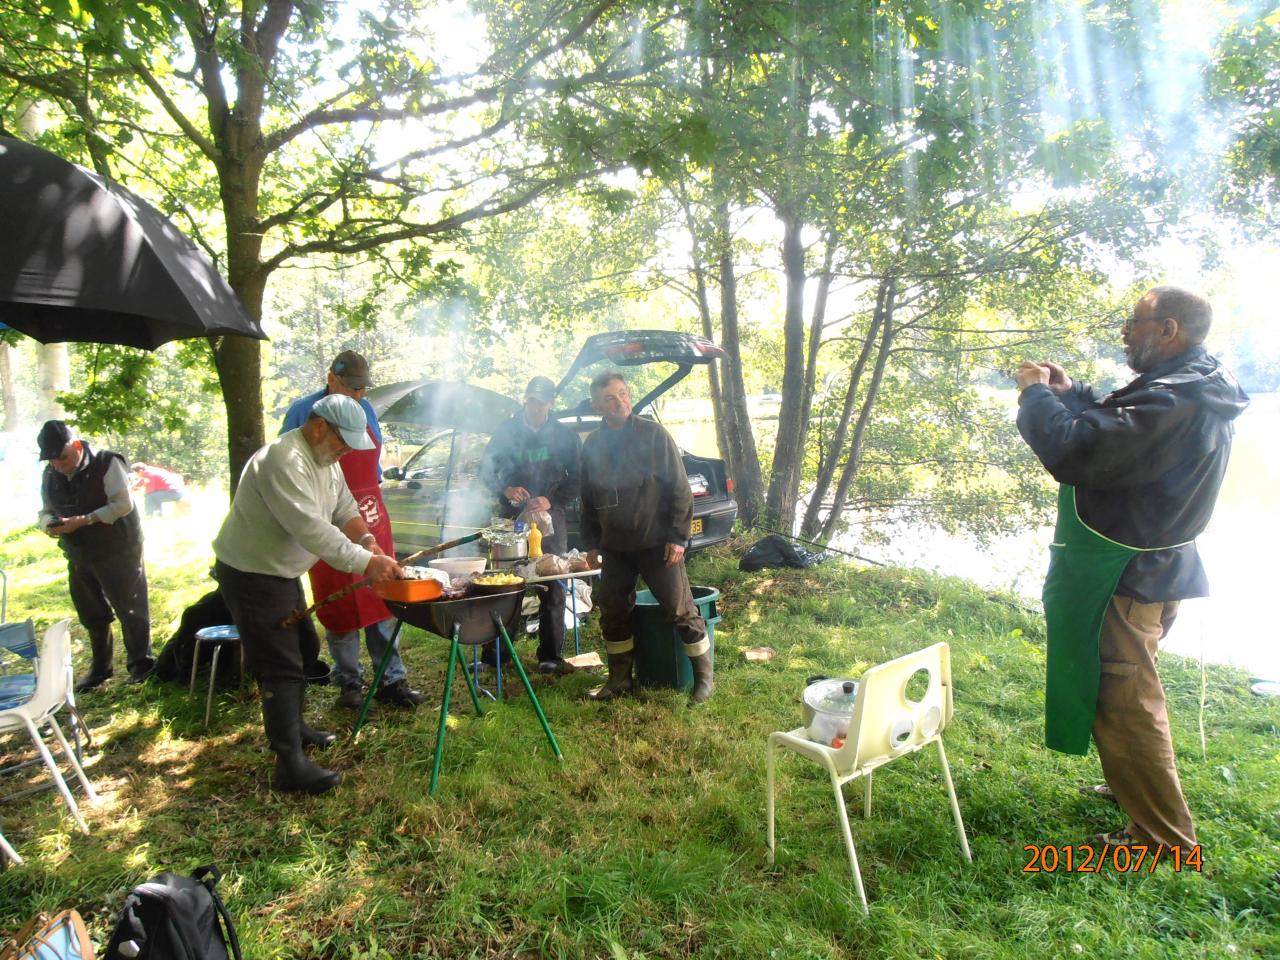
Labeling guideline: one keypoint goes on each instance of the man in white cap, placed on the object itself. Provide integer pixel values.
(291, 507)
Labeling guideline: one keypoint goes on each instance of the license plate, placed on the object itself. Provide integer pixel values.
(695, 528)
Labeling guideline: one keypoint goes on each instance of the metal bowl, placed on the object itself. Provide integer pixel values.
(515, 548)
(828, 709)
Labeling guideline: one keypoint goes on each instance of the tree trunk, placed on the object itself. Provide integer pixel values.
(748, 481)
(708, 331)
(54, 367)
(788, 452)
(10, 391)
(864, 417)
(830, 460)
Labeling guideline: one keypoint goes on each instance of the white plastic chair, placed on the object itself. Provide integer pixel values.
(885, 726)
(53, 680)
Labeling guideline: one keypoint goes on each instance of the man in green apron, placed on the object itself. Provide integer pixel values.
(1139, 471)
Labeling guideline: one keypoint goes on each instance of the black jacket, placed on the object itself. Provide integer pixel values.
(635, 493)
(544, 462)
(1146, 462)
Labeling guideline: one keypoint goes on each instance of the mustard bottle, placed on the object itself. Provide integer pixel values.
(535, 541)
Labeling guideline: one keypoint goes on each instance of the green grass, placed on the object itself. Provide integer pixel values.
(648, 840)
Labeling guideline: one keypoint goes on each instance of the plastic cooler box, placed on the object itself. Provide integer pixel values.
(660, 657)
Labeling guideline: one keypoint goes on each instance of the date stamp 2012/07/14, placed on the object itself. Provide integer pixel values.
(1120, 858)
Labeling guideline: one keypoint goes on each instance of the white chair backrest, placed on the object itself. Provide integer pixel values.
(886, 723)
(53, 676)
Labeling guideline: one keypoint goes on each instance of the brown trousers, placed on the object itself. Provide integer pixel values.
(1131, 727)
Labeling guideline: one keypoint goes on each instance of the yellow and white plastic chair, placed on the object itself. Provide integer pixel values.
(885, 725)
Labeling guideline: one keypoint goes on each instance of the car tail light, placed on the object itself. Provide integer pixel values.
(728, 484)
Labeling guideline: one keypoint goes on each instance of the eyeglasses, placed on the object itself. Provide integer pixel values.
(1132, 322)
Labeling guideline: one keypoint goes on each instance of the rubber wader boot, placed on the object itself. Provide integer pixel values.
(619, 683)
(281, 708)
(103, 646)
(703, 682)
(320, 739)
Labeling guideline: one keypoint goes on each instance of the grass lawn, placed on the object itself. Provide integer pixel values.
(648, 840)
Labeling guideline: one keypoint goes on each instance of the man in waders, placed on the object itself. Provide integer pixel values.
(1139, 471)
(636, 511)
(292, 507)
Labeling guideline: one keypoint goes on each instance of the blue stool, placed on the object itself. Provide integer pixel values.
(218, 636)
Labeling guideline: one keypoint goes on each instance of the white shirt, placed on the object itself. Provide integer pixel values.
(287, 513)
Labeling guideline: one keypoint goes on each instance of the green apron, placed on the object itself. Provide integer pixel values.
(1084, 568)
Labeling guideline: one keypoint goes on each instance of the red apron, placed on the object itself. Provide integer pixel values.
(363, 607)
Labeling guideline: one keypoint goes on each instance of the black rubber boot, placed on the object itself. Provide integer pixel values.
(103, 646)
(281, 710)
(620, 683)
(320, 739)
(703, 681)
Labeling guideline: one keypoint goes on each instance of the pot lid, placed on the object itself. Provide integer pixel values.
(832, 696)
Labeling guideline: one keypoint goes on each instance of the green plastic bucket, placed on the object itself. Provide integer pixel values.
(660, 657)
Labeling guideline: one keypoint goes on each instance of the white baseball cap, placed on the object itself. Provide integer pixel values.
(347, 417)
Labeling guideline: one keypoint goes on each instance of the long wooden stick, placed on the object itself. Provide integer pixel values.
(360, 584)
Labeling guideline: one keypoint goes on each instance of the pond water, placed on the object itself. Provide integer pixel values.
(1228, 627)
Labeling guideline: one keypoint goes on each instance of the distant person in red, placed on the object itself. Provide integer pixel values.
(158, 487)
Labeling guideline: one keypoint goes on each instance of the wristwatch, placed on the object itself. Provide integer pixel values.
(90, 519)
(367, 538)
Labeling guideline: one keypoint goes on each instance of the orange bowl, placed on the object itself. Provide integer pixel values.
(409, 591)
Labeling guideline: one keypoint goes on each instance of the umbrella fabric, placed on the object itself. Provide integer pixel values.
(85, 260)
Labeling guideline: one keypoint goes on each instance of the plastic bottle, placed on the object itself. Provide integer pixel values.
(535, 541)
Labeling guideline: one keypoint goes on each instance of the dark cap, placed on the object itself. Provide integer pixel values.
(540, 388)
(53, 439)
(352, 368)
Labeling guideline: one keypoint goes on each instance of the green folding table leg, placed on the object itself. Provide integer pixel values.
(528, 687)
(377, 678)
(455, 654)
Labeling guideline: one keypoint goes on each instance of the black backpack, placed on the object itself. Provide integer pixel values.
(174, 918)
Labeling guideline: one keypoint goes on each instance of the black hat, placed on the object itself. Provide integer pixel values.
(53, 439)
(540, 388)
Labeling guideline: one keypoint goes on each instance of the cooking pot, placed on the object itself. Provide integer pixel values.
(828, 709)
(504, 549)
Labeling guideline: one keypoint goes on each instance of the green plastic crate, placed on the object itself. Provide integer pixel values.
(660, 657)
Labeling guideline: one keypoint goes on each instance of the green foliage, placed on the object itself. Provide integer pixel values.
(159, 407)
(1245, 87)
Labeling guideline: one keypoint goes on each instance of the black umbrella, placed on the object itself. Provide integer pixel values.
(82, 259)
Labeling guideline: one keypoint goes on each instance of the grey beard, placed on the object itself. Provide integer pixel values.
(1143, 355)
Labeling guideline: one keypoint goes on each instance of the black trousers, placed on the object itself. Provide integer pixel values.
(108, 588)
(616, 597)
(258, 603)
